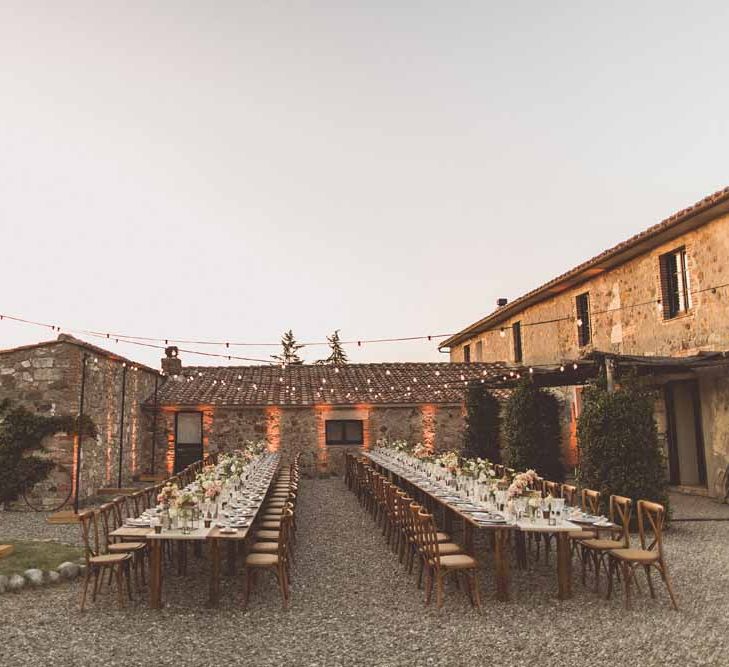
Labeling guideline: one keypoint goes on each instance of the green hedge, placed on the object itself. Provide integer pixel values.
(532, 431)
(481, 437)
(618, 445)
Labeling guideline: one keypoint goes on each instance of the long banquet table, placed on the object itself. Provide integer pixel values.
(501, 532)
(212, 536)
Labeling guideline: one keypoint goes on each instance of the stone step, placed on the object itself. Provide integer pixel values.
(113, 491)
(152, 478)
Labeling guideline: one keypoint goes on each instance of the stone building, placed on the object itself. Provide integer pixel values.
(318, 410)
(46, 378)
(661, 293)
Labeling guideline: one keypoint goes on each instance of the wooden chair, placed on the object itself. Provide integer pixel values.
(552, 489)
(597, 549)
(591, 504)
(649, 555)
(117, 564)
(108, 512)
(445, 546)
(278, 563)
(569, 493)
(439, 565)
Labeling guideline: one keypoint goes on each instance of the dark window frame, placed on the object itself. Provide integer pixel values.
(584, 330)
(344, 441)
(467, 353)
(516, 336)
(675, 283)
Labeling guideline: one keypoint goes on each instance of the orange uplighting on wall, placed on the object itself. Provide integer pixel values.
(74, 479)
(208, 413)
(273, 428)
(322, 454)
(133, 429)
(364, 409)
(572, 458)
(429, 411)
(170, 457)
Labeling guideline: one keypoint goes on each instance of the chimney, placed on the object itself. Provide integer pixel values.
(171, 363)
(500, 303)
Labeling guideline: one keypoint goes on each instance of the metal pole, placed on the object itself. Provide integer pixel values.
(154, 422)
(121, 424)
(79, 429)
(610, 374)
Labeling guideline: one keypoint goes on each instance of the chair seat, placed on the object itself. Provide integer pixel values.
(271, 525)
(459, 562)
(261, 560)
(275, 504)
(638, 555)
(110, 559)
(582, 535)
(449, 549)
(121, 547)
(603, 545)
(443, 537)
(268, 534)
(265, 547)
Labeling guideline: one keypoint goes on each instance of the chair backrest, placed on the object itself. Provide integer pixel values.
(89, 533)
(107, 514)
(621, 509)
(569, 493)
(285, 531)
(429, 538)
(551, 489)
(120, 509)
(651, 517)
(591, 501)
(138, 502)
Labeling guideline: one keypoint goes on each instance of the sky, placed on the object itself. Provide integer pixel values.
(229, 170)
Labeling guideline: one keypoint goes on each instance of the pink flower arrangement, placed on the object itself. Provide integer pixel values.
(522, 482)
(212, 488)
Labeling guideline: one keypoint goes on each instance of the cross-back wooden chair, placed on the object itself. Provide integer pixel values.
(438, 565)
(651, 518)
(110, 521)
(596, 550)
(97, 562)
(552, 489)
(276, 562)
(445, 546)
(589, 502)
(569, 493)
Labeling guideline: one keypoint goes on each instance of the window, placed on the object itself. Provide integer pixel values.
(675, 287)
(466, 353)
(344, 432)
(584, 330)
(516, 335)
(479, 350)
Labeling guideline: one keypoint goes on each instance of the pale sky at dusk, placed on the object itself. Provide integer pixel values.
(231, 170)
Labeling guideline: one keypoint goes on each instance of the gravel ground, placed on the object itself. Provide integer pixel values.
(33, 525)
(353, 605)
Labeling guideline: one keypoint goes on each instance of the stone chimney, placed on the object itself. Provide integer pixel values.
(500, 303)
(171, 363)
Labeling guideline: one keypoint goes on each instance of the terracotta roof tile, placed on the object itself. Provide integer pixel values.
(352, 384)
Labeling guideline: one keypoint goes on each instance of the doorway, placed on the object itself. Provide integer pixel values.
(188, 439)
(686, 456)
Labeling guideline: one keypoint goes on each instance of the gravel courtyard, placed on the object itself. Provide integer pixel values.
(352, 604)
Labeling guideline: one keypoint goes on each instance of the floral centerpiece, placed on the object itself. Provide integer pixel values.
(185, 504)
(168, 495)
(482, 470)
(420, 451)
(522, 483)
(449, 460)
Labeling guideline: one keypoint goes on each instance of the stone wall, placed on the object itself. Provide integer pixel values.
(46, 379)
(291, 430)
(634, 330)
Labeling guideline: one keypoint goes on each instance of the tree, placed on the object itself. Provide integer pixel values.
(289, 350)
(337, 355)
(532, 431)
(483, 424)
(22, 433)
(618, 444)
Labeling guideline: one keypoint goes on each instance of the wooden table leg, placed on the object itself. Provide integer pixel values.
(214, 595)
(521, 551)
(155, 575)
(501, 564)
(231, 557)
(564, 566)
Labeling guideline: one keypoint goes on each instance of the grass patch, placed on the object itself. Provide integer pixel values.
(43, 555)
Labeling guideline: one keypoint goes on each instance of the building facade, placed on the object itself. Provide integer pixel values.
(46, 378)
(662, 293)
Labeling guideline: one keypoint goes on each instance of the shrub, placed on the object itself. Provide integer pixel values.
(618, 445)
(21, 434)
(481, 437)
(532, 431)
